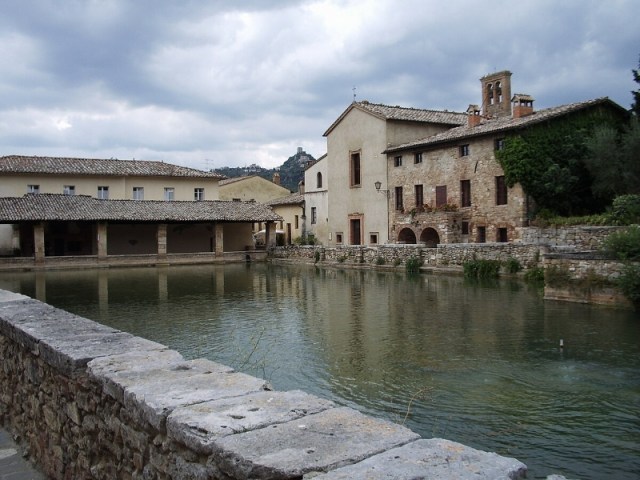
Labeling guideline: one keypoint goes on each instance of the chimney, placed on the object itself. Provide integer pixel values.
(522, 105)
(473, 115)
(276, 178)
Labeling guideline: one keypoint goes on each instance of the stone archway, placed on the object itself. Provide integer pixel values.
(430, 238)
(406, 235)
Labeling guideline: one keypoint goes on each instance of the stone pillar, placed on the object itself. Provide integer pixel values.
(15, 237)
(38, 243)
(270, 235)
(102, 240)
(162, 239)
(219, 239)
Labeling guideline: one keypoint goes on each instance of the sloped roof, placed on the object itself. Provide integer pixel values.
(52, 207)
(387, 112)
(94, 166)
(503, 124)
(293, 199)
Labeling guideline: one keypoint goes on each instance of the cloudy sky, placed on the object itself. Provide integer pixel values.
(219, 83)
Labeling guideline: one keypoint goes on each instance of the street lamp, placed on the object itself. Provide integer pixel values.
(378, 185)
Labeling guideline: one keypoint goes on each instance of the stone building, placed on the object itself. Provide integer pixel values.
(355, 162)
(449, 187)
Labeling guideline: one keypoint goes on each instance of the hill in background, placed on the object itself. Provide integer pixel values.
(291, 171)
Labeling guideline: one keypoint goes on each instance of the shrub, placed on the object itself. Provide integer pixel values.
(341, 259)
(481, 269)
(629, 283)
(625, 244)
(535, 276)
(316, 256)
(412, 264)
(556, 276)
(396, 262)
(308, 239)
(380, 261)
(625, 210)
(513, 265)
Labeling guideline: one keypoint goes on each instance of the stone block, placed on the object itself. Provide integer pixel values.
(318, 442)
(196, 426)
(156, 393)
(434, 459)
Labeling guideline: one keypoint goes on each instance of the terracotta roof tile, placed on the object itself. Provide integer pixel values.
(93, 166)
(49, 207)
(387, 112)
(500, 124)
(293, 199)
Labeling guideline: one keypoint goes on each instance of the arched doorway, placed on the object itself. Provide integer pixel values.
(430, 238)
(406, 235)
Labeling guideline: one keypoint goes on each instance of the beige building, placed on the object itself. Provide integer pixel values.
(449, 187)
(316, 197)
(291, 209)
(251, 188)
(62, 207)
(355, 161)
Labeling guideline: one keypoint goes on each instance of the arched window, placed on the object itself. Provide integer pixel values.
(499, 91)
(319, 180)
(490, 93)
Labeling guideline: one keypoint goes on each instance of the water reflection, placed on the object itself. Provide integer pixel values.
(478, 363)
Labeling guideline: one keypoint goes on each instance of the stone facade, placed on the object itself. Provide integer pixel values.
(90, 402)
(577, 238)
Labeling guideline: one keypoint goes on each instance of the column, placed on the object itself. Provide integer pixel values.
(219, 242)
(15, 237)
(162, 239)
(38, 242)
(270, 235)
(102, 240)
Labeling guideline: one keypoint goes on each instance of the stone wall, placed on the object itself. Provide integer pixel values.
(87, 401)
(583, 278)
(444, 255)
(576, 237)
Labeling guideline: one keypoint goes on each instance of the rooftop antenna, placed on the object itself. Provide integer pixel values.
(354, 93)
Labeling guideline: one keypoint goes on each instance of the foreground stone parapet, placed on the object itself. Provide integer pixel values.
(93, 402)
(442, 459)
(198, 426)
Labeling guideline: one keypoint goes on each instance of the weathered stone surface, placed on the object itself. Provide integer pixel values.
(434, 459)
(158, 392)
(197, 426)
(318, 442)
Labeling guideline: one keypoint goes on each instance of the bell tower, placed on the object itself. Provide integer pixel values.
(496, 94)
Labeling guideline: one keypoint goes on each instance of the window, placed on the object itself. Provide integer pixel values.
(397, 161)
(464, 150)
(465, 193)
(33, 188)
(419, 195)
(198, 194)
(398, 197)
(465, 228)
(169, 193)
(417, 158)
(482, 234)
(373, 238)
(338, 237)
(69, 190)
(355, 170)
(314, 215)
(103, 192)
(501, 191)
(138, 193)
(499, 144)
(502, 235)
(295, 222)
(441, 195)
(319, 180)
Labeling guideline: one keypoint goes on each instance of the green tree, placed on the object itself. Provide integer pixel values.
(613, 159)
(548, 160)
(635, 106)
